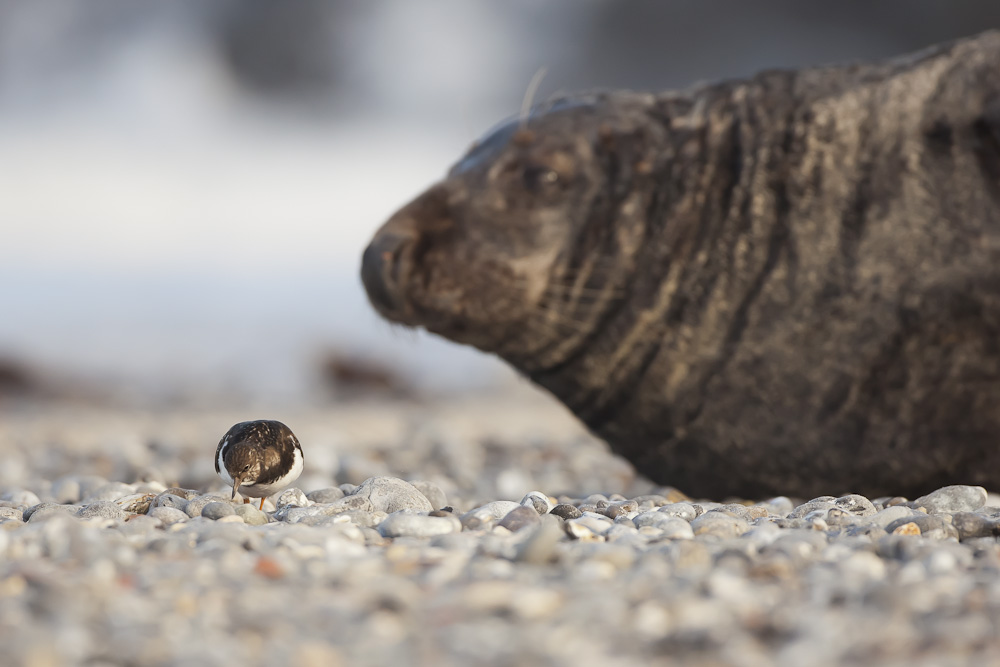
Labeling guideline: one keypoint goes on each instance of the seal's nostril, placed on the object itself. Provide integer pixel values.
(382, 271)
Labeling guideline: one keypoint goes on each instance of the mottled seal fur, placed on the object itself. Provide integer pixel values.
(787, 284)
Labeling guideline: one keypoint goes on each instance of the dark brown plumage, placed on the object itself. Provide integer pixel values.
(259, 458)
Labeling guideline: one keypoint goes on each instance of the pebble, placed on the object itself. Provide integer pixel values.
(928, 525)
(684, 511)
(167, 499)
(719, 525)
(538, 501)
(291, 497)
(407, 523)
(217, 510)
(167, 515)
(110, 491)
(325, 496)
(432, 492)
(11, 513)
(951, 499)
(66, 491)
(21, 497)
(603, 578)
(194, 507)
(566, 511)
(389, 494)
(137, 503)
(486, 515)
(104, 509)
(520, 518)
(250, 514)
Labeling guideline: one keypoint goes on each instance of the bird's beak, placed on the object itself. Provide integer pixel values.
(236, 485)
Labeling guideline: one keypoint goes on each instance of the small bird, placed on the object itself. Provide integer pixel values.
(259, 458)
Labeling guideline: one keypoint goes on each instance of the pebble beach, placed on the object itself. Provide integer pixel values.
(487, 530)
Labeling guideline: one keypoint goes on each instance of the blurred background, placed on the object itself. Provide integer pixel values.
(186, 187)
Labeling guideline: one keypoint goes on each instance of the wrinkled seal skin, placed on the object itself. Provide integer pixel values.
(789, 284)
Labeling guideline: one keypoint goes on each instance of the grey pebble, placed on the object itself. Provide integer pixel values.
(490, 512)
(676, 528)
(931, 526)
(44, 511)
(166, 499)
(167, 515)
(348, 488)
(566, 511)
(194, 507)
(537, 500)
(655, 519)
(143, 524)
(540, 547)
(11, 513)
(719, 524)
(21, 497)
(820, 506)
(684, 511)
(778, 506)
(856, 504)
(890, 514)
(110, 491)
(971, 525)
(251, 515)
(66, 491)
(435, 496)
(104, 509)
(951, 499)
(390, 494)
(217, 510)
(621, 508)
(520, 518)
(292, 497)
(407, 523)
(324, 496)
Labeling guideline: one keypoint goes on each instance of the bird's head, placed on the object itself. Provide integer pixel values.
(243, 462)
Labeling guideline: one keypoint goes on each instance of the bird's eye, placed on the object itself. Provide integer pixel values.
(246, 467)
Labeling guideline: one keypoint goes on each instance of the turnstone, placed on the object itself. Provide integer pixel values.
(259, 458)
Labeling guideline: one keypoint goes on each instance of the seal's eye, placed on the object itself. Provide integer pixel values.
(536, 177)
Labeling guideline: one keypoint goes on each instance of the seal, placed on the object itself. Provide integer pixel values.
(783, 285)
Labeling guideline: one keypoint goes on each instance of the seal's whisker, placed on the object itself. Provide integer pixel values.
(529, 94)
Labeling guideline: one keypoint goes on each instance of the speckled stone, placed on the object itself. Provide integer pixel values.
(566, 511)
(951, 499)
(719, 525)
(103, 509)
(291, 497)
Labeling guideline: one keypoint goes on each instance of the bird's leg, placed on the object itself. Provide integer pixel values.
(261, 508)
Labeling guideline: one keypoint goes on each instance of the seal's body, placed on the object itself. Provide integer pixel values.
(789, 284)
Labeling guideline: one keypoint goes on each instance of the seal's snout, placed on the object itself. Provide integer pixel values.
(382, 269)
